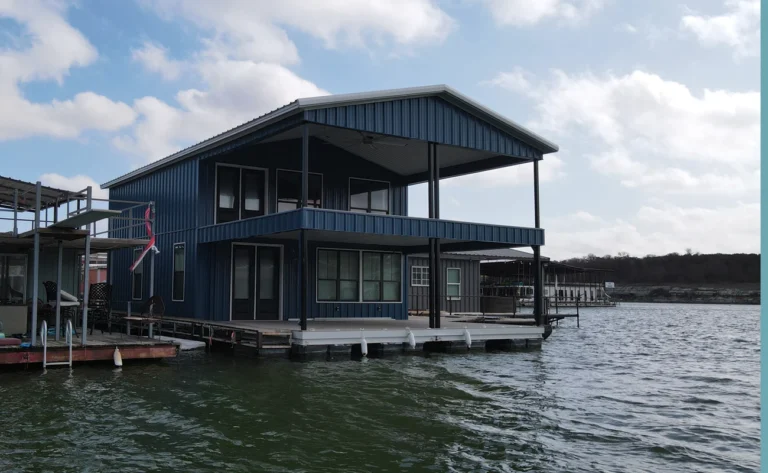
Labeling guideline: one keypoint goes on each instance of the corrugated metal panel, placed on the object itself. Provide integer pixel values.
(427, 118)
(336, 221)
(174, 191)
(418, 296)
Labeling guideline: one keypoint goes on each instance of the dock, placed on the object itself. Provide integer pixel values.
(98, 347)
(350, 336)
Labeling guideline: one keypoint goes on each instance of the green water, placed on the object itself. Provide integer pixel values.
(665, 388)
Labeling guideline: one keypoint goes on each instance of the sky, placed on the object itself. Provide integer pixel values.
(654, 104)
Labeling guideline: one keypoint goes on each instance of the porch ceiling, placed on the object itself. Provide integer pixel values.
(406, 157)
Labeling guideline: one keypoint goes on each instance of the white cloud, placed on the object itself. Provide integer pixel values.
(244, 57)
(155, 59)
(50, 48)
(650, 132)
(738, 28)
(627, 28)
(550, 169)
(657, 230)
(74, 183)
(528, 13)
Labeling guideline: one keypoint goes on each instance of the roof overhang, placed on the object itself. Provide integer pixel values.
(23, 195)
(314, 103)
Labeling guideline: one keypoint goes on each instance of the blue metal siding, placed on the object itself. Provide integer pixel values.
(393, 225)
(428, 119)
(470, 285)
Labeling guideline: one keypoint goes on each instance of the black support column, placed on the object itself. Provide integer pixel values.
(537, 289)
(435, 273)
(304, 267)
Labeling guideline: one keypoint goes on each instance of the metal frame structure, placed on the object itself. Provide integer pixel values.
(79, 223)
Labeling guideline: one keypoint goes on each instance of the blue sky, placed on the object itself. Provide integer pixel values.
(655, 104)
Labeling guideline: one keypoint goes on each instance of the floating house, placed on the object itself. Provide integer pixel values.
(302, 214)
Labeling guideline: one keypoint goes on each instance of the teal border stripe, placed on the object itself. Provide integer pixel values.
(763, 241)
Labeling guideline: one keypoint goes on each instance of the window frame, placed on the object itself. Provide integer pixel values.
(136, 253)
(423, 277)
(359, 299)
(26, 273)
(277, 189)
(240, 191)
(448, 283)
(368, 210)
(338, 278)
(183, 246)
(381, 279)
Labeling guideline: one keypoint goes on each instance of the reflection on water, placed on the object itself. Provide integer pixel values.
(637, 388)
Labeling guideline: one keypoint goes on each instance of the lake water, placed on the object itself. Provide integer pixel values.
(642, 387)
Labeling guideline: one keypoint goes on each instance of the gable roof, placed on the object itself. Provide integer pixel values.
(312, 103)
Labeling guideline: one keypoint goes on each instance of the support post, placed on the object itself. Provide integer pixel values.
(537, 289)
(303, 279)
(438, 265)
(15, 212)
(304, 165)
(152, 252)
(58, 290)
(36, 263)
(86, 277)
(431, 205)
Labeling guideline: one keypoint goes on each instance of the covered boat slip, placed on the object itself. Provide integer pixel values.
(52, 234)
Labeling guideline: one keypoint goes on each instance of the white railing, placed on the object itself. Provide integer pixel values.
(44, 340)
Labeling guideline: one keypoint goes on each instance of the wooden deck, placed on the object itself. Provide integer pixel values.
(99, 347)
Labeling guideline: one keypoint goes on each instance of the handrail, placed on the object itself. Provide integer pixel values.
(44, 341)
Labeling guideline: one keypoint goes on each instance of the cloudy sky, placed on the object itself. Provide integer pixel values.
(655, 104)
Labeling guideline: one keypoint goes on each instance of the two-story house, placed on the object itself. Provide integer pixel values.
(302, 213)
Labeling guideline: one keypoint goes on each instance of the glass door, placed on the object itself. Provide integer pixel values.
(243, 279)
(268, 283)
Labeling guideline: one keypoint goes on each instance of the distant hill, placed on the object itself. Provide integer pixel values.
(677, 269)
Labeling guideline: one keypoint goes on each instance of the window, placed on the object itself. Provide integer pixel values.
(381, 277)
(289, 190)
(178, 272)
(240, 193)
(366, 196)
(453, 283)
(338, 275)
(420, 276)
(137, 281)
(13, 279)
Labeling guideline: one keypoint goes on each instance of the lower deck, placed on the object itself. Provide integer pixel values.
(99, 347)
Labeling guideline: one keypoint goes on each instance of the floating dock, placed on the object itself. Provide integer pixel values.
(99, 347)
(353, 336)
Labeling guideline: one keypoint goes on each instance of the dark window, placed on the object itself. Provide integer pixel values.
(240, 193)
(381, 277)
(13, 279)
(289, 190)
(368, 196)
(137, 281)
(178, 272)
(338, 275)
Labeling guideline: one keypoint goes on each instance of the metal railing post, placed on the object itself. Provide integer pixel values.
(36, 262)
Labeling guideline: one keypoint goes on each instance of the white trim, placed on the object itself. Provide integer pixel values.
(255, 279)
(277, 192)
(240, 190)
(26, 273)
(359, 275)
(133, 274)
(349, 193)
(452, 298)
(420, 268)
(173, 272)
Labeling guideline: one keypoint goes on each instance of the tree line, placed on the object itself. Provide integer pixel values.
(675, 268)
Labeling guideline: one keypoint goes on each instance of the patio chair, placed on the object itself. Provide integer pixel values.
(68, 308)
(152, 312)
(100, 306)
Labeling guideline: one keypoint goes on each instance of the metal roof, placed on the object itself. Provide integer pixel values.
(312, 103)
(26, 194)
(501, 254)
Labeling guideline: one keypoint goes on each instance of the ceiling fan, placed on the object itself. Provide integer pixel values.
(369, 140)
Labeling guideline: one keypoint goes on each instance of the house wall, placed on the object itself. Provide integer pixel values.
(418, 296)
(335, 164)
